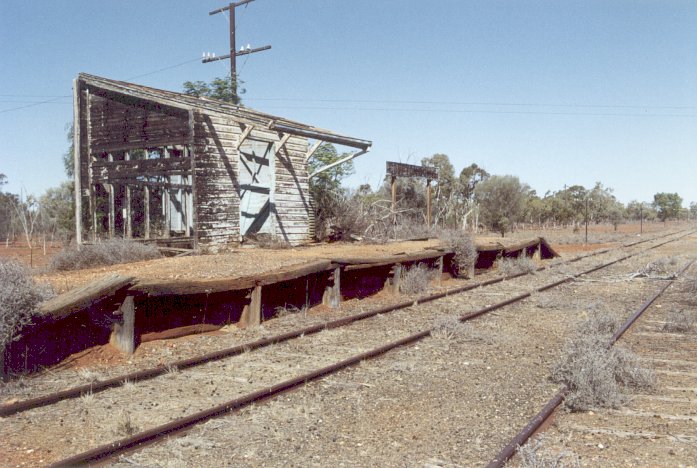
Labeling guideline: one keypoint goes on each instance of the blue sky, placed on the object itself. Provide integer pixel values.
(555, 92)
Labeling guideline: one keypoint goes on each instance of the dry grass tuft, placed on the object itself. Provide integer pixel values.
(288, 310)
(680, 321)
(125, 426)
(110, 252)
(19, 300)
(598, 376)
(508, 266)
(465, 251)
(452, 329)
(269, 241)
(534, 455)
(417, 279)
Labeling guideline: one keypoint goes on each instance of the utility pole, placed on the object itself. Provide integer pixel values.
(233, 52)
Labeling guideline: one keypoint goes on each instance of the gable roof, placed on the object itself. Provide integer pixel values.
(241, 113)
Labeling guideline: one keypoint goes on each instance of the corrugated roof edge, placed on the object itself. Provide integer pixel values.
(245, 114)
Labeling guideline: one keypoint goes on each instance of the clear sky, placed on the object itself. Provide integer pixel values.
(555, 92)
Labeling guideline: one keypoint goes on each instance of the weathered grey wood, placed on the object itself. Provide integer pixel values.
(440, 264)
(76, 162)
(90, 175)
(251, 314)
(247, 130)
(123, 332)
(312, 150)
(393, 282)
(129, 216)
(282, 142)
(112, 214)
(194, 198)
(84, 296)
(146, 206)
(332, 293)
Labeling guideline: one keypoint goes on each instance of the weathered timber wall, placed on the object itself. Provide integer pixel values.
(216, 173)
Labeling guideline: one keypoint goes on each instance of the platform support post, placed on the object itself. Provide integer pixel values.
(439, 266)
(123, 332)
(332, 293)
(538, 252)
(393, 281)
(251, 314)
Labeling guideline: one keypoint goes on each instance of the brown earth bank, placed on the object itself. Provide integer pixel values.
(452, 399)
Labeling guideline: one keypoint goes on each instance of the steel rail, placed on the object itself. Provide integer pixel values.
(150, 373)
(122, 445)
(536, 422)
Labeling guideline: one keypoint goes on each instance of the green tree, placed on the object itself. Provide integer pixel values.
(502, 200)
(444, 202)
(693, 210)
(219, 88)
(325, 187)
(667, 204)
(57, 213)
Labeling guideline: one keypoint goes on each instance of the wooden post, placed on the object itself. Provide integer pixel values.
(129, 217)
(251, 314)
(165, 201)
(123, 333)
(440, 270)
(146, 206)
(111, 214)
(3, 371)
(393, 187)
(332, 293)
(428, 203)
(90, 175)
(77, 169)
(393, 281)
(538, 252)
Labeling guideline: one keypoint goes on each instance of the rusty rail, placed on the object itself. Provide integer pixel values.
(146, 374)
(536, 422)
(180, 424)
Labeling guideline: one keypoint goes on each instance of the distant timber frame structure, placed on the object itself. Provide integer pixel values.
(163, 166)
(395, 169)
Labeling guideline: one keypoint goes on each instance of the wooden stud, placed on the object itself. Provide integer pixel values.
(112, 219)
(165, 202)
(129, 214)
(194, 197)
(251, 314)
(146, 206)
(77, 173)
(123, 333)
(90, 175)
(332, 293)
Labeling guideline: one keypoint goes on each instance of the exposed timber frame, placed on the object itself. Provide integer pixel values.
(164, 167)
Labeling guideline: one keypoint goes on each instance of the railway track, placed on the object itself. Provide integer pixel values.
(180, 424)
(183, 364)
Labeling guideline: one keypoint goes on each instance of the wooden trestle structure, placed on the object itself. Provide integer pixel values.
(152, 164)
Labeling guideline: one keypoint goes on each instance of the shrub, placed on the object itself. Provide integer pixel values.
(465, 251)
(512, 266)
(291, 310)
(679, 321)
(534, 455)
(269, 241)
(19, 299)
(453, 329)
(598, 376)
(416, 279)
(110, 252)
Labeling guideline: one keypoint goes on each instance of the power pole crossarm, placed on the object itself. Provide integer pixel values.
(233, 53)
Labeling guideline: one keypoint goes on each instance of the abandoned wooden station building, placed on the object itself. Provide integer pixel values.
(155, 164)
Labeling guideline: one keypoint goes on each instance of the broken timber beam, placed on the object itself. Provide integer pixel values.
(83, 297)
